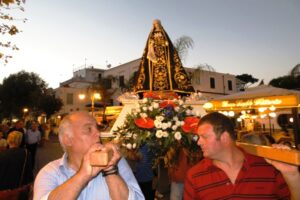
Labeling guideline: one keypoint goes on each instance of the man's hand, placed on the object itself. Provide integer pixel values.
(116, 154)
(86, 169)
(284, 168)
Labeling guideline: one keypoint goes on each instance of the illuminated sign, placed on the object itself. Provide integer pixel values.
(277, 101)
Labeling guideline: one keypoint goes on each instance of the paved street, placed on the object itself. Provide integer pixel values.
(50, 150)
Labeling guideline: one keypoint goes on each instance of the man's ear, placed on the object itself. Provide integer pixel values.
(67, 140)
(225, 137)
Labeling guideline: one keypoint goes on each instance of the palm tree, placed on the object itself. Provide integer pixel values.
(182, 45)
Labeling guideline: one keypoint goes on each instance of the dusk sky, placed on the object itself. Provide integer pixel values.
(258, 37)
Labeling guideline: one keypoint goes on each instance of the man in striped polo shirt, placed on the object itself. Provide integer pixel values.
(227, 172)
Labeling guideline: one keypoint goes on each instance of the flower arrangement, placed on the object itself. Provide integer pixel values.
(164, 125)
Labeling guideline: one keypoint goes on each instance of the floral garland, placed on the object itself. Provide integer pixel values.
(164, 125)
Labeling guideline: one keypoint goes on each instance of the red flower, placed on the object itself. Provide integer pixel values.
(167, 103)
(147, 123)
(190, 125)
(160, 95)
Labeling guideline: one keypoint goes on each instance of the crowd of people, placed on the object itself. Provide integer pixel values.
(225, 172)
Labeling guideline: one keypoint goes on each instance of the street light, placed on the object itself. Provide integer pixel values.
(94, 96)
(25, 110)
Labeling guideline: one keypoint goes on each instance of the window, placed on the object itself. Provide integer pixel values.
(121, 81)
(107, 83)
(229, 85)
(212, 83)
(70, 98)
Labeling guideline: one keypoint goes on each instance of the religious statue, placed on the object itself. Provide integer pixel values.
(160, 69)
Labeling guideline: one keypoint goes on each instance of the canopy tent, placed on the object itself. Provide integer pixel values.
(256, 97)
(262, 96)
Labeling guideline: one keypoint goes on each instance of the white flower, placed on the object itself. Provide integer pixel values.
(150, 108)
(175, 118)
(164, 126)
(138, 110)
(180, 102)
(178, 123)
(188, 112)
(176, 109)
(129, 146)
(165, 134)
(137, 105)
(159, 118)
(157, 124)
(174, 127)
(145, 100)
(169, 124)
(182, 123)
(128, 134)
(145, 108)
(159, 133)
(144, 115)
(195, 138)
(124, 145)
(134, 145)
(177, 135)
(134, 136)
(155, 105)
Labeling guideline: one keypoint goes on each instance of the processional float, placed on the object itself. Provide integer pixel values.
(162, 76)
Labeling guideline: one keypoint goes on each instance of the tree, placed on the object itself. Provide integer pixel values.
(182, 45)
(21, 90)
(104, 87)
(50, 104)
(248, 79)
(287, 82)
(8, 28)
(290, 81)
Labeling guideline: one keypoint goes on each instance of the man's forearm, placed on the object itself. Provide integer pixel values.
(293, 182)
(118, 189)
(69, 190)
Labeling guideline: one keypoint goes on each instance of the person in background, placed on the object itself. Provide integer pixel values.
(144, 172)
(255, 139)
(15, 164)
(4, 128)
(228, 172)
(177, 173)
(3, 143)
(33, 137)
(19, 126)
(73, 177)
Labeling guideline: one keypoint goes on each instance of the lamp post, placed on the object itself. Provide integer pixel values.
(94, 96)
(25, 111)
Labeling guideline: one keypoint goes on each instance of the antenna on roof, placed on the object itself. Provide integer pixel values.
(107, 65)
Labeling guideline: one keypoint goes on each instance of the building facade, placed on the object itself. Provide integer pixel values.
(112, 82)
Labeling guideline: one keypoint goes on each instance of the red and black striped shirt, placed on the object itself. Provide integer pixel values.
(256, 180)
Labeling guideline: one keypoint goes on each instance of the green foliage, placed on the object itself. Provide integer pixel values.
(248, 79)
(50, 104)
(287, 82)
(182, 45)
(7, 28)
(25, 89)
